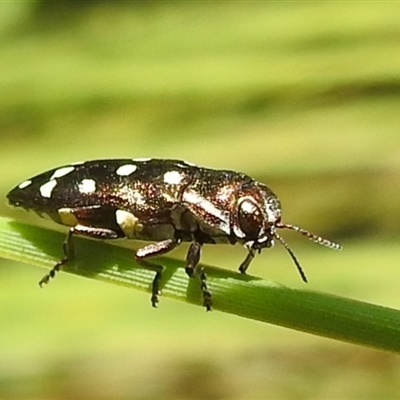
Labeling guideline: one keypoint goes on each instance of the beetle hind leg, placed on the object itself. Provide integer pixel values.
(69, 248)
(69, 254)
(152, 250)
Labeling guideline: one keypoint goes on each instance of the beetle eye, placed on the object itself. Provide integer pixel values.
(250, 219)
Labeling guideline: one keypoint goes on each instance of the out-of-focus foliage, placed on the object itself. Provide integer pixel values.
(304, 97)
(286, 93)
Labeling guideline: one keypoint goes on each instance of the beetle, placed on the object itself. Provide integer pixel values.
(163, 201)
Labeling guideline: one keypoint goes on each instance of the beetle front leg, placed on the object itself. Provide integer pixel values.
(193, 268)
(152, 250)
(249, 258)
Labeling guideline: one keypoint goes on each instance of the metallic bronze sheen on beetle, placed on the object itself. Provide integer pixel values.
(164, 201)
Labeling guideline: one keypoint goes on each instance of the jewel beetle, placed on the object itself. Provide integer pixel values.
(166, 202)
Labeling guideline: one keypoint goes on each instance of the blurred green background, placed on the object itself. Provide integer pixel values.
(302, 96)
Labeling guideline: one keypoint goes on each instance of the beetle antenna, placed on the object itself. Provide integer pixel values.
(315, 238)
(288, 249)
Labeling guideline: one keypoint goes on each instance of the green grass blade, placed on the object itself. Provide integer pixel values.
(246, 296)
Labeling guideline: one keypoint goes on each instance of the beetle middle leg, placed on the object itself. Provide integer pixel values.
(151, 250)
(193, 268)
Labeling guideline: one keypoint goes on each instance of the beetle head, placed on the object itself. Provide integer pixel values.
(257, 211)
(259, 216)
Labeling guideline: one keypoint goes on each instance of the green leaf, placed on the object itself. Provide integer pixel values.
(246, 296)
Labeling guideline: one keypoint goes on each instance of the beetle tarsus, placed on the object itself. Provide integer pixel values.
(155, 289)
(69, 254)
(207, 300)
(193, 268)
(245, 264)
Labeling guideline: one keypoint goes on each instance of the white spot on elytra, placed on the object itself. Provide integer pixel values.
(24, 184)
(125, 170)
(87, 186)
(128, 223)
(47, 188)
(58, 173)
(173, 177)
(141, 159)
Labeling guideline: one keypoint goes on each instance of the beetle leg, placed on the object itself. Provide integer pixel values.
(194, 268)
(151, 250)
(69, 254)
(249, 258)
(68, 246)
